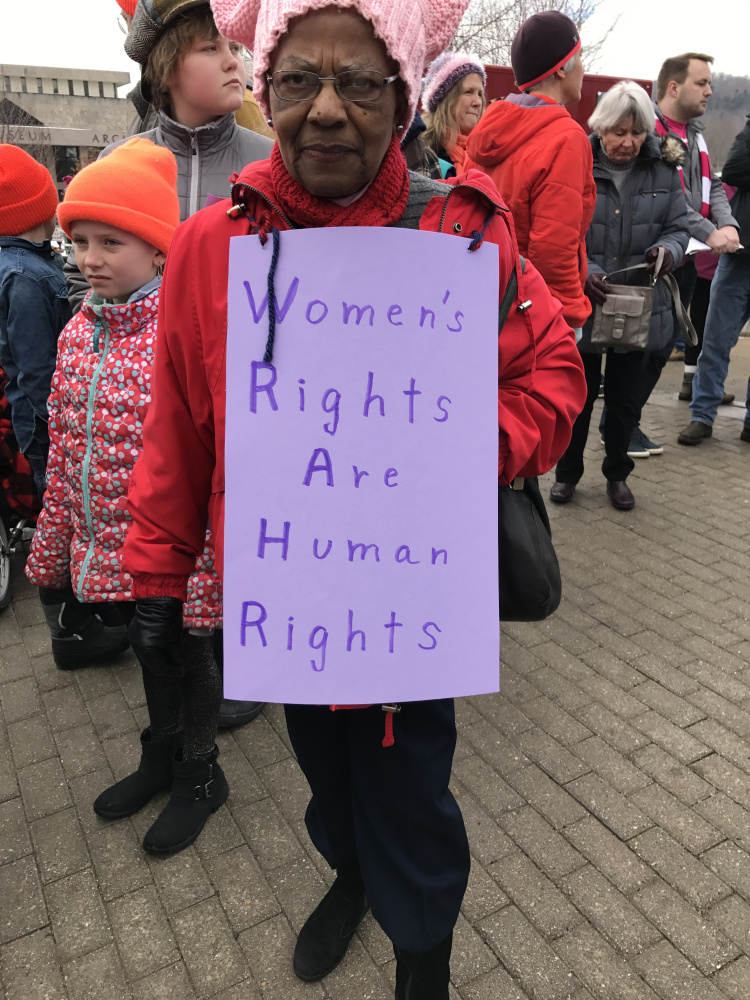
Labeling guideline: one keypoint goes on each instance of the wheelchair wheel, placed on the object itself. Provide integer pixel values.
(6, 581)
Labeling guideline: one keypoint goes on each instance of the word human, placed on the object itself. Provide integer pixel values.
(315, 311)
(255, 616)
(364, 551)
(264, 392)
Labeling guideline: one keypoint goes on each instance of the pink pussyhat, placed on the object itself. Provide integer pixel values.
(414, 33)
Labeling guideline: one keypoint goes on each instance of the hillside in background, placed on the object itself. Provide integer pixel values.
(726, 115)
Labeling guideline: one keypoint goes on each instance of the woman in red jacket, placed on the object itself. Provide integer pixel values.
(382, 816)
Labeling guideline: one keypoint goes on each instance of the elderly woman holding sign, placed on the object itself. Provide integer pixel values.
(340, 84)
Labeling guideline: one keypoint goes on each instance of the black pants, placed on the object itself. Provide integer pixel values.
(621, 384)
(698, 313)
(190, 702)
(391, 807)
(654, 361)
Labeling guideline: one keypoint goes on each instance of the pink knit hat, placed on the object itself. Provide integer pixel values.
(445, 72)
(414, 32)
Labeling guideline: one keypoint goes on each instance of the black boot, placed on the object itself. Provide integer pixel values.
(78, 634)
(199, 788)
(233, 712)
(424, 977)
(155, 773)
(236, 713)
(323, 940)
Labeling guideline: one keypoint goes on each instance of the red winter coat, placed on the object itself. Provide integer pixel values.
(101, 391)
(180, 478)
(540, 160)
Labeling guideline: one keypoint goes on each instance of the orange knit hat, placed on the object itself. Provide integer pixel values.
(127, 6)
(28, 196)
(134, 188)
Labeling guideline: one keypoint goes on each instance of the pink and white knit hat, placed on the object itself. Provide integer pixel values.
(414, 32)
(445, 72)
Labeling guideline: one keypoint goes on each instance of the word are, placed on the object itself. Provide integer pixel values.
(315, 311)
(354, 550)
(264, 378)
(254, 616)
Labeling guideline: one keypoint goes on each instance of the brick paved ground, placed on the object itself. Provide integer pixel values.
(606, 789)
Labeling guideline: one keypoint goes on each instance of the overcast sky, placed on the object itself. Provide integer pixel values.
(83, 34)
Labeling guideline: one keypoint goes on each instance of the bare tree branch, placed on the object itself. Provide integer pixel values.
(489, 26)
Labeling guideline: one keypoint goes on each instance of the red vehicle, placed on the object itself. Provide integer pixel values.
(501, 82)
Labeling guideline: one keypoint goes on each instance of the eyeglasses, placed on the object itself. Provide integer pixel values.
(360, 86)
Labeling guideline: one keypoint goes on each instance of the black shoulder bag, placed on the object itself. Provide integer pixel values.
(529, 574)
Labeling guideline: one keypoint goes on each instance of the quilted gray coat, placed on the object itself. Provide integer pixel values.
(649, 212)
(206, 156)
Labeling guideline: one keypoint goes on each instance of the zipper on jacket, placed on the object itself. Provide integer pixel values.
(194, 175)
(470, 187)
(89, 451)
(274, 208)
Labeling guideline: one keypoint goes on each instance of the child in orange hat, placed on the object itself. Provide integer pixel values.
(121, 213)
(33, 301)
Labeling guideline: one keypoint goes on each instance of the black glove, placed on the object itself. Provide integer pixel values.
(596, 288)
(155, 634)
(667, 264)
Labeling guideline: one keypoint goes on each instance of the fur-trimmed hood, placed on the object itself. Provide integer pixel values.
(673, 150)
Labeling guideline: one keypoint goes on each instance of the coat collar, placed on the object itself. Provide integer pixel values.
(180, 139)
(124, 319)
(43, 250)
(650, 150)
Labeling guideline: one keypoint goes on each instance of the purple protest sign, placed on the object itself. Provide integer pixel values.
(361, 469)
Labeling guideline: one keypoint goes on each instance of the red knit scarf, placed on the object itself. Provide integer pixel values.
(382, 204)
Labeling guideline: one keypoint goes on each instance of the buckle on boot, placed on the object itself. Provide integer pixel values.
(204, 791)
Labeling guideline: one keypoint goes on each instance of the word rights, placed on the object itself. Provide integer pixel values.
(361, 469)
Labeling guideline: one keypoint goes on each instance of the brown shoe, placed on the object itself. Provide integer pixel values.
(562, 492)
(695, 432)
(620, 495)
(686, 389)
(727, 398)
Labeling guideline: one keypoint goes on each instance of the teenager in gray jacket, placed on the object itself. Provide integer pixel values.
(195, 79)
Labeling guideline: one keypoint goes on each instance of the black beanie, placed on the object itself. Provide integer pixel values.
(543, 44)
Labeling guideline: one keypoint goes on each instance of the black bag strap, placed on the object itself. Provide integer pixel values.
(511, 290)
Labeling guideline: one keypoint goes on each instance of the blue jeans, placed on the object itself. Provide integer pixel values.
(728, 312)
(36, 455)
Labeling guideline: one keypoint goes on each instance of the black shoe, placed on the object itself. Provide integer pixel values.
(686, 389)
(199, 788)
(562, 492)
(237, 713)
(325, 937)
(726, 399)
(745, 434)
(78, 635)
(155, 773)
(90, 643)
(694, 433)
(424, 977)
(620, 496)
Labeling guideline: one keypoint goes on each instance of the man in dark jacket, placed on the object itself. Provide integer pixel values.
(729, 308)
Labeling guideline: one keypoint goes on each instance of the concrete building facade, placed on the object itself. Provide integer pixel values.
(63, 117)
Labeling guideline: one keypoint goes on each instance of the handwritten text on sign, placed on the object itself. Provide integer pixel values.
(361, 469)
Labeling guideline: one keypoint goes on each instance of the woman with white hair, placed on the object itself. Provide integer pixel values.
(640, 210)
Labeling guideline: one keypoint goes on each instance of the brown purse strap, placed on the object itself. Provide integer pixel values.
(681, 314)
